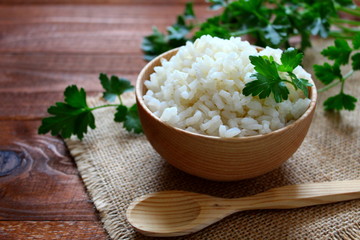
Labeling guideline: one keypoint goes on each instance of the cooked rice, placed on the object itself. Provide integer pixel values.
(200, 90)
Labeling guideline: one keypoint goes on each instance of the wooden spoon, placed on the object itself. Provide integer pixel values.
(177, 213)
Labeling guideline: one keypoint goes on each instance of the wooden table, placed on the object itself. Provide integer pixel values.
(46, 45)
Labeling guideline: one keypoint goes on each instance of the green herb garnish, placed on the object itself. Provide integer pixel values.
(74, 116)
(114, 86)
(267, 79)
(331, 74)
(269, 22)
(273, 23)
(157, 43)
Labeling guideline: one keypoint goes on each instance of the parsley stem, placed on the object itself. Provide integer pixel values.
(120, 99)
(348, 74)
(327, 87)
(342, 81)
(354, 12)
(103, 106)
(347, 21)
(344, 78)
(290, 82)
(346, 29)
(342, 85)
(339, 34)
(284, 80)
(243, 32)
(261, 17)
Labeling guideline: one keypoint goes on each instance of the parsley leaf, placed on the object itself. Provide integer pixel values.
(74, 97)
(274, 35)
(316, 15)
(348, 3)
(356, 41)
(130, 117)
(217, 4)
(252, 6)
(74, 116)
(189, 11)
(264, 86)
(114, 87)
(157, 43)
(300, 83)
(154, 44)
(340, 101)
(70, 117)
(320, 27)
(213, 28)
(177, 35)
(132, 120)
(340, 52)
(356, 61)
(120, 114)
(267, 79)
(327, 73)
(264, 66)
(290, 60)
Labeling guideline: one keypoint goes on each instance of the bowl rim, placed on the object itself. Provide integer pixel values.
(139, 98)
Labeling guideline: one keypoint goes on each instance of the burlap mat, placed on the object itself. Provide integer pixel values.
(117, 167)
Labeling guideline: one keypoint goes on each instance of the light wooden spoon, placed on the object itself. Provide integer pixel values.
(177, 213)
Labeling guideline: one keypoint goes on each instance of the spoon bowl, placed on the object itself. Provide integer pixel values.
(177, 213)
(174, 213)
(149, 216)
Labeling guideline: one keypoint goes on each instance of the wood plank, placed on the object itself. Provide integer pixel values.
(102, 13)
(60, 70)
(43, 66)
(133, 2)
(40, 230)
(90, 29)
(49, 82)
(38, 178)
(43, 49)
(28, 106)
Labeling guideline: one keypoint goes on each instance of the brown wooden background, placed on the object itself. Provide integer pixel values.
(44, 47)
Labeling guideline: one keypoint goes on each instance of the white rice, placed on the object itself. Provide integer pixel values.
(200, 90)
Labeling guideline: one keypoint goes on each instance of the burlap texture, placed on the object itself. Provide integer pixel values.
(117, 167)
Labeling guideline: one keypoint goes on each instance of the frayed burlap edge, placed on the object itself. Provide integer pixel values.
(352, 232)
(93, 180)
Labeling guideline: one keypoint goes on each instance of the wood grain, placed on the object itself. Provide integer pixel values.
(40, 230)
(46, 48)
(132, 2)
(43, 49)
(177, 213)
(90, 29)
(30, 106)
(44, 184)
(39, 181)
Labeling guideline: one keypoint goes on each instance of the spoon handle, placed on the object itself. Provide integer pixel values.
(301, 195)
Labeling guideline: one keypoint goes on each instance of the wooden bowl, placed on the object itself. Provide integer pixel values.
(216, 158)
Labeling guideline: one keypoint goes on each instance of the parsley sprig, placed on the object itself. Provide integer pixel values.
(74, 116)
(157, 43)
(331, 75)
(273, 23)
(267, 78)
